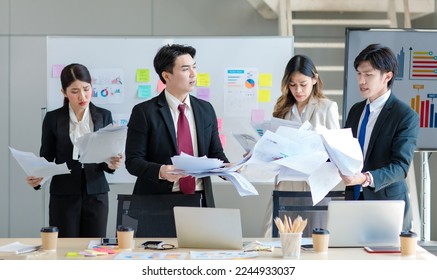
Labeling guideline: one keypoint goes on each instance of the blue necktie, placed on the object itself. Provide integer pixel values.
(361, 139)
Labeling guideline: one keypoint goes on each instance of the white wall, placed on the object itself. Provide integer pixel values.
(4, 115)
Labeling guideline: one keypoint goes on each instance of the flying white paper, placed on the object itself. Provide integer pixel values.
(100, 146)
(38, 166)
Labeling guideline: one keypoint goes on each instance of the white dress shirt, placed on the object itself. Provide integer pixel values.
(79, 128)
(375, 110)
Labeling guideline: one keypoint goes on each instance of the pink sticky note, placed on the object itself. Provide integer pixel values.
(219, 124)
(57, 69)
(257, 116)
(203, 93)
(223, 140)
(160, 87)
(105, 250)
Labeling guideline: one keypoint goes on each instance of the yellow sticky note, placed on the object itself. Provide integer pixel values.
(143, 75)
(203, 80)
(265, 80)
(72, 254)
(263, 95)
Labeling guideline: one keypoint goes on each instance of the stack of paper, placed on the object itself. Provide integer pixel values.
(193, 164)
(246, 141)
(38, 166)
(274, 123)
(18, 248)
(221, 255)
(100, 146)
(344, 150)
(302, 155)
(204, 167)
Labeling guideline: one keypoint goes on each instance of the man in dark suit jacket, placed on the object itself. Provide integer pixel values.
(390, 135)
(151, 137)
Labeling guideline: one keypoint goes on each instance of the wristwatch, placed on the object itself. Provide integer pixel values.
(368, 180)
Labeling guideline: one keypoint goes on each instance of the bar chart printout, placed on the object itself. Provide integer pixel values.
(426, 110)
(423, 66)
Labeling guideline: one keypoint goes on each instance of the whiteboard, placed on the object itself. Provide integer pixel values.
(416, 83)
(264, 58)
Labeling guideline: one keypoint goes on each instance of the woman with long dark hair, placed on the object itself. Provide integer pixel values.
(79, 200)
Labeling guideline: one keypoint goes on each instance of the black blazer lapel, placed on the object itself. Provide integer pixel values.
(63, 127)
(384, 115)
(96, 116)
(164, 109)
(199, 117)
(355, 116)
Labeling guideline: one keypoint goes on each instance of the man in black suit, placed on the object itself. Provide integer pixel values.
(390, 134)
(152, 130)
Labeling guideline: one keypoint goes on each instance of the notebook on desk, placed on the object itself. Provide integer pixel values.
(365, 223)
(208, 228)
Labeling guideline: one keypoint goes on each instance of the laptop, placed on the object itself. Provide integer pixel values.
(208, 228)
(365, 223)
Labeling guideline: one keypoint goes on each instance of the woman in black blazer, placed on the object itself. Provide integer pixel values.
(79, 200)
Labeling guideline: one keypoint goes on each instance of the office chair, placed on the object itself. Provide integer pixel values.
(152, 215)
(294, 203)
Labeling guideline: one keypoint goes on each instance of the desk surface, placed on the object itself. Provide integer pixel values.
(66, 245)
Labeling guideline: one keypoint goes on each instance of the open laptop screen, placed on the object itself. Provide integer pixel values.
(365, 223)
(208, 228)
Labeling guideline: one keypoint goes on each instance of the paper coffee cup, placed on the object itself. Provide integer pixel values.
(408, 243)
(125, 236)
(320, 240)
(49, 238)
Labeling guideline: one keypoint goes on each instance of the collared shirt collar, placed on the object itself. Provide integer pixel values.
(379, 102)
(173, 102)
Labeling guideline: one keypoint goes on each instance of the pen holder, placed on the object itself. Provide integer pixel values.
(290, 243)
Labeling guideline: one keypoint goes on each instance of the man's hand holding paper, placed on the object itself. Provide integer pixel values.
(344, 150)
(203, 167)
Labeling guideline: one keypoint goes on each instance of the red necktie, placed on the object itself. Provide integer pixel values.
(187, 184)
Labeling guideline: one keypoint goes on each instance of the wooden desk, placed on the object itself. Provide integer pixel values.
(79, 244)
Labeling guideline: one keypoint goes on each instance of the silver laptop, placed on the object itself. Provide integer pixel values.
(365, 223)
(208, 228)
